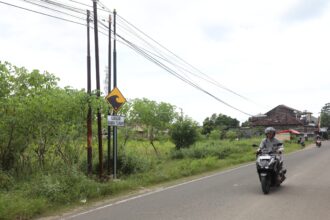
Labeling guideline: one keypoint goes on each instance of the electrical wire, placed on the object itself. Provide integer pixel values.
(68, 7)
(90, 6)
(174, 73)
(37, 12)
(214, 82)
(52, 9)
(145, 53)
(81, 3)
(151, 57)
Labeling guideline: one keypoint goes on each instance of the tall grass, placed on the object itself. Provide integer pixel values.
(138, 165)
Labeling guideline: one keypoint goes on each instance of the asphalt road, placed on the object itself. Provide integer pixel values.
(234, 195)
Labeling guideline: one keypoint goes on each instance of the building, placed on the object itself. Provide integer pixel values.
(283, 117)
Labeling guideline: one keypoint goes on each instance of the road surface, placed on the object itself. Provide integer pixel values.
(234, 195)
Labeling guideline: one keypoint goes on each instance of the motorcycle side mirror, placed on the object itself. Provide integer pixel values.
(254, 145)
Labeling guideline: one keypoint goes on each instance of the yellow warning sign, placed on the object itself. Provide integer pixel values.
(116, 99)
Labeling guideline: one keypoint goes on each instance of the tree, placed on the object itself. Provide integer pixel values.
(226, 122)
(156, 117)
(18, 88)
(184, 133)
(325, 116)
(38, 120)
(208, 126)
(220, 121)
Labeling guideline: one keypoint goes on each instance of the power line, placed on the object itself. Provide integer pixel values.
(174, 73)
(52, 16)
(81, 3)
(147, 54)
(68, 7)
(62, 12)
(214, 82)
(90, 6)
(37, 12)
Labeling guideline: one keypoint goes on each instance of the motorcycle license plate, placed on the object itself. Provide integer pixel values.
(265, 157)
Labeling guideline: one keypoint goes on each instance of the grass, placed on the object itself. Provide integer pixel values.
(47, 193)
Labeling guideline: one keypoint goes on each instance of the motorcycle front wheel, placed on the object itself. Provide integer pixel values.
(265, 184)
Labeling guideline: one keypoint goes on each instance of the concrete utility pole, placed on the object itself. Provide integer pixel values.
(99, 119)
(109, 90)
(114, 86)
(89, 114)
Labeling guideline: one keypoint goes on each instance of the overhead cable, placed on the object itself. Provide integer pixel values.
(174, 73)
(214, 82)
(37, 12)
(52, 9)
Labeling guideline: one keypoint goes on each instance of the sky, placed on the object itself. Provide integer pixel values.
(261, 53)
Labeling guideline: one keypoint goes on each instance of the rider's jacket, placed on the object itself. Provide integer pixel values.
(269, 145)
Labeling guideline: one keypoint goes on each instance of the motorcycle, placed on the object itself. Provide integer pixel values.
(269, 170)
(301, 141)
(318, 143)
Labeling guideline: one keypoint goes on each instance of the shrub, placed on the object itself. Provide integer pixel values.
(214, 135)
(176, 154)
(231, 135)
(129, 163)
(15, 206)
(63, 187)
(6, 181)
(184, 133)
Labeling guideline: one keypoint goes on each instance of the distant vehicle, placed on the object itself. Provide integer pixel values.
(301, 141)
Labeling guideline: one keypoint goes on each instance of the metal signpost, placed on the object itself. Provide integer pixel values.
(116, 100)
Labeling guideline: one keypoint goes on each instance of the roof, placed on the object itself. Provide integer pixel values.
(291, 131)
(279, 116)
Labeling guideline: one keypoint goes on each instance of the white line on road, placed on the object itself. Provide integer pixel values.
(163, 189)
(156, 191)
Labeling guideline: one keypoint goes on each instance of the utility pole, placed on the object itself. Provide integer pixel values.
(99, 122)
(89, 114)
(181, 114)
(109, 90)
(114, 86)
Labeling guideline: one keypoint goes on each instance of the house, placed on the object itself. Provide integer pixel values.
(283, 117)
(287, 134)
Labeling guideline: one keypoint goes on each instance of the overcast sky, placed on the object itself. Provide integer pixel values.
(268, 52)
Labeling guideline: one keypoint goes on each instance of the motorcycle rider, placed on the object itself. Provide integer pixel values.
(272, 145)
(318, 140)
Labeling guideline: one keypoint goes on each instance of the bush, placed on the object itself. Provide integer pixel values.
(216, 149)
(215, 135)
(176, 154)
(184, 133)
(129, 163)
(15, 206)
(6, 181)
(63, 187)
(231, 135)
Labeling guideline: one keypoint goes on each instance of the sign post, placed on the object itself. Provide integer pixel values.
(116, 100)
(116, 120)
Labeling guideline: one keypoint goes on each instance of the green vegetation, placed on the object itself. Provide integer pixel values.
(139, 167)
(219, 122)
(43, 146)
(184, 133)
(325, 119)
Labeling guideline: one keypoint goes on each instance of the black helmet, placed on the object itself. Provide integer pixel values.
(270, 130)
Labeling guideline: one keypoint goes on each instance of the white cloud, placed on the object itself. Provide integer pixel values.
(306, 9)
